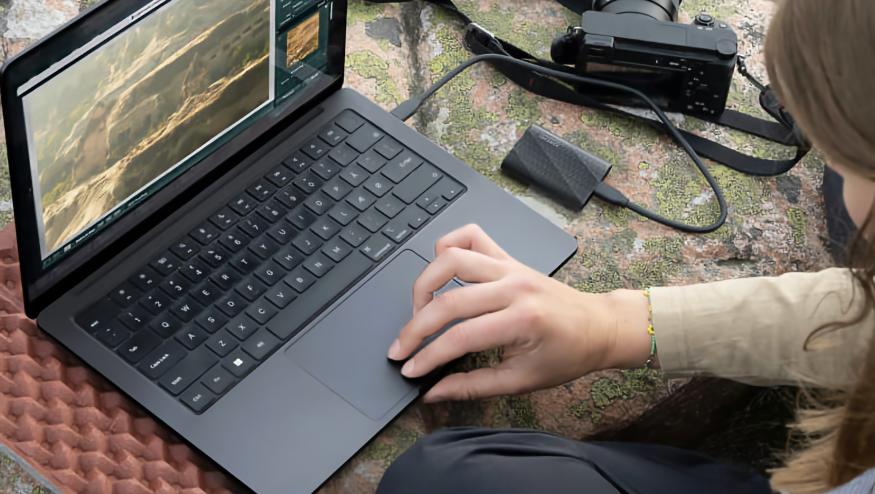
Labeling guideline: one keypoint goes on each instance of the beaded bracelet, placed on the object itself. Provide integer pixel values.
(651, 331)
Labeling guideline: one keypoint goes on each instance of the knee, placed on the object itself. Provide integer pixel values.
(426, 467)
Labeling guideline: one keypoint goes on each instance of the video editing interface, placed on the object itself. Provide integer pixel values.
(112, 127)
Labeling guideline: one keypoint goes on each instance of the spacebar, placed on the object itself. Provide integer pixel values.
(298, 313)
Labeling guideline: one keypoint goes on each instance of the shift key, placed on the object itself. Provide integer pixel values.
(188, 371)
(416, 183)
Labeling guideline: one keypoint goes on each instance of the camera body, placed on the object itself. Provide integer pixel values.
(683, 68)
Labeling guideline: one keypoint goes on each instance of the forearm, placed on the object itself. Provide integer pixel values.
(754, 330)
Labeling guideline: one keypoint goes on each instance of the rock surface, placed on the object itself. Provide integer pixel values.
(82, 435)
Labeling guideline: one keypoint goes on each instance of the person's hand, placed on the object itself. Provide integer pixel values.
(549, 333)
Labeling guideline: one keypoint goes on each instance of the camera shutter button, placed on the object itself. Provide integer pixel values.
(704, 19)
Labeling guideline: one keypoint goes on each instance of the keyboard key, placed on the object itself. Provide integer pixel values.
(430, 195)
(300, 280)
(184, 249)
(138, 346)
(301, 217)
(165, 325)
(112, 335)
(417, 183)
(297, 163)
(289, 257)
(318, 203)
(264, 247)
(251, 289)
(211, 320)
(215, 256)
(318, 265)
(307, 242)
(371, 161)
(261, 311)
(377, 247)
(239, 363)
(245, 262)
(254, 226)
(155, 302)
(224, 219)
(325, 228)
(398, 230)
(401, 166)
(197, 398)
(343, 154)
(280, 176)
(144, 279)
(162, 359)
(261, 344)
(315, 149)
(188, 371)
(349, 121)
(378, 185)
(207, 293)
(372, 220)
(343, 213)
(326, 168)
(242, 204)
(337, 250)
(191, 338)
(415, 217)
(175, 285)
(449, 189)
(289, 197)
(272, 211)
(354, 235)
(125, 294)
(282, 233)
(337, 189)
(205, 233)
(293, 318)
(241, 326)
(217, 380)
(222, 343)
(194, 271)
(307, 182)
(388, 147)
(361, 199)
(261, 190)
(226, 277)
(436, 206)
(332, 135)
(354, 175)
(231, 304)
(185, 309)
(280, 295)
(134, 318)
(165, 264)
(364, 138)
(390, 206)
(270, 273)
(233, 241)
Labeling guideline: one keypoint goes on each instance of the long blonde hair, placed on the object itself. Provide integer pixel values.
(821, 61)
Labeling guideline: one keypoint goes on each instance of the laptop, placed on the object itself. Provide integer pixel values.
(206, 218)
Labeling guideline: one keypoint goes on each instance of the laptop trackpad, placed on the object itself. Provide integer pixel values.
(347, 350)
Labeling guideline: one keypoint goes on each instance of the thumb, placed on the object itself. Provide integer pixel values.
(478, 383)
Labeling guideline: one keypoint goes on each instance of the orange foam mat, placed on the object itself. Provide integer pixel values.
(73, 426)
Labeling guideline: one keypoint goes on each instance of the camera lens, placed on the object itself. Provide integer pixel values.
(661, 10)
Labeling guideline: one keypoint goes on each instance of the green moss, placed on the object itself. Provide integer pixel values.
(643, 381)
(796, 218)
(519, 412)
(359, 11)
(522, 107)
(718, 8)
(583, 410)
(665, 257)
(386, 450)
(599, 272)
(531, 34)
(632, 383)
(370, 66)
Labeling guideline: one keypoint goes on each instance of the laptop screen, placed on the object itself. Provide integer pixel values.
(122, 117)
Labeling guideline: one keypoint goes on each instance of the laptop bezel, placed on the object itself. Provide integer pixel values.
(77, 265)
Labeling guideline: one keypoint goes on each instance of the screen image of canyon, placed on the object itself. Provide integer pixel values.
(302, 40)
(121, 117)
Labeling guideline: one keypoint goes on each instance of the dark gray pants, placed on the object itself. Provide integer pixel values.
(510, 461)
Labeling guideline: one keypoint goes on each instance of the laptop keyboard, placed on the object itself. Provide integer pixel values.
(201, 316)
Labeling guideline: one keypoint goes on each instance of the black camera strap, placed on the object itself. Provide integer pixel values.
(781, 130)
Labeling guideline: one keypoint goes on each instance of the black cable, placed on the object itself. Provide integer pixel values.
(406, 109)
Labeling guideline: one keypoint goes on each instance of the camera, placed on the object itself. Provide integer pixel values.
(638, 43)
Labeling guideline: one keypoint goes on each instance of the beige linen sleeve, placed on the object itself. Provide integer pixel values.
(753, 329)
